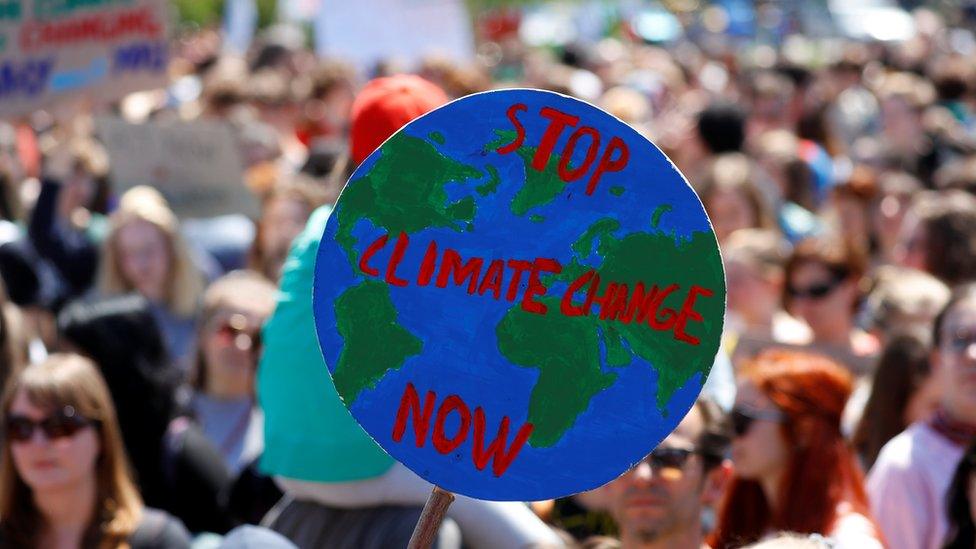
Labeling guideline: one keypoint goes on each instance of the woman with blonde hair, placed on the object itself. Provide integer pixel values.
(146, 253)
(64, 480)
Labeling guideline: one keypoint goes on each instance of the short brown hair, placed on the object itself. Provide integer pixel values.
(949, 220)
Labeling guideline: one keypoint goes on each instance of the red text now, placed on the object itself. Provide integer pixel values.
(445, 442)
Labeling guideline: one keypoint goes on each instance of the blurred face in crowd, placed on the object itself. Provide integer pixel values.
(231, 344)
(820, 298)
(729, 211)
(955, 361)
(144, 258)
(912, 244)
(283, 220)
(51, 464)
(653, 503)
(759, 449)
(752, 295)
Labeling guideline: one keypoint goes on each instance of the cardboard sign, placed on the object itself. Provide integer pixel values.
(518, 296)
(196, 165)
(368, 31)
(105, 49)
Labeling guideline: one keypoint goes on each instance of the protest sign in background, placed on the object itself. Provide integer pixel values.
(367, 31)
(197, 165)
(518, 296)
(99, 49)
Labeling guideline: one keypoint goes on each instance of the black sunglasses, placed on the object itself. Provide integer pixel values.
(668, 458)
(742, 417)
(63, 423)
(817, 291)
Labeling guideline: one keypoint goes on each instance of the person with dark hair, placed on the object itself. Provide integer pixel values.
(659, 503)
(67, 221)
(722, 127)
(910, 478)
(939, 236)
(824, 287)
(902, 392)
(961, 503)
(794, 471)
(176, 468)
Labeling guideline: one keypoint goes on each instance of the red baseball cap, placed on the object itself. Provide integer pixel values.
(387, 104)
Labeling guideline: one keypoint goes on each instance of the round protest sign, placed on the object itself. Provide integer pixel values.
(518, 296)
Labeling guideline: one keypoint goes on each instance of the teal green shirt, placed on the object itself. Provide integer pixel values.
(308, 432)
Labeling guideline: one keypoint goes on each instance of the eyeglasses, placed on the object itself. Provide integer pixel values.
(742, 418)
(816, 291)
(64, 423)
(668, 458)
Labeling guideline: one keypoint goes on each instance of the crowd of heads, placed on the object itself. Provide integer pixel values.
(839, 177)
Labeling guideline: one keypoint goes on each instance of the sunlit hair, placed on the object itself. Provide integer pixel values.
(822, 472)
(185, 281)
(70, 380)
(236, 291)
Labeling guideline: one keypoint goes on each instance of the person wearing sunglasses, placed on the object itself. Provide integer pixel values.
(63, 476)
(911, 476)
(660, 502)
(794, 472)
(174, 466)
(824, 289)
(234, 308)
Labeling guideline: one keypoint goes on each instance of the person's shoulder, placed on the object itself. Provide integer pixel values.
(901, 451)
(159, 530)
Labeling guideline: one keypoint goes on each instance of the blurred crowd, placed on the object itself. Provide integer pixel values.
(151, 362)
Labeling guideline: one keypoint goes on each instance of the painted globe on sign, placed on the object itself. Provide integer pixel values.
(518, 296)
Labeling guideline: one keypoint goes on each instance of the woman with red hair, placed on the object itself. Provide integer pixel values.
(794, 471)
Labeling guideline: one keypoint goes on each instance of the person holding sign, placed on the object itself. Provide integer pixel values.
(517, 296)
(330, 467)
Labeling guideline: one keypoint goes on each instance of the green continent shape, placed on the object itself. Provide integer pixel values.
(492, 184)
(567, 354)
(404, 192)
(365, 315)
(541, 187)
(566, 350)
(649, 258)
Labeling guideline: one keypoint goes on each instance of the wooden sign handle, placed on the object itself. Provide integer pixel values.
(430, 519)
